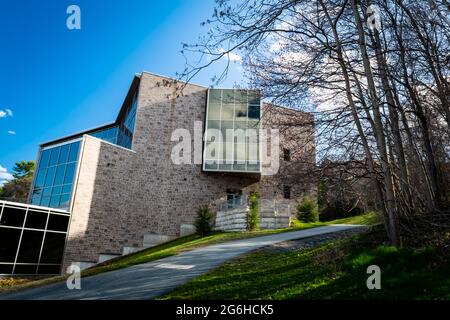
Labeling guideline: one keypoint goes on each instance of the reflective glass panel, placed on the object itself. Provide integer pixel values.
(13, 217)
(9, 238)
(36, 219)
(27, 248)
(52, 251)
(30, 246)
(235, 115)
(25, 269)
(55, 175)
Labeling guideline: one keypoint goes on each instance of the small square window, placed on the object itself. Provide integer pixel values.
(287, 155)
(254, 112)
(287, 192)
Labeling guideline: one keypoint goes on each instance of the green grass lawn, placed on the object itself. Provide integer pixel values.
(334, 270)
(369, 218)
(185, 244)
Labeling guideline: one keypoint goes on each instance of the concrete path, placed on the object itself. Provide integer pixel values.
(152, 279)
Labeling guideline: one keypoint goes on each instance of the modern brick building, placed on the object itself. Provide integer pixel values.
(115, 189)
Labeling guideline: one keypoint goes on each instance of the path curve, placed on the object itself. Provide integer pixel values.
(153, 279)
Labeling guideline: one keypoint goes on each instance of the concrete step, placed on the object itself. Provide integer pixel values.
(130, 250)
(83, 265)
(151, 240)
(186, 229)
(106, 257)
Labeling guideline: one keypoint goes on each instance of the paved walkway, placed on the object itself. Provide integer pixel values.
(152, 279)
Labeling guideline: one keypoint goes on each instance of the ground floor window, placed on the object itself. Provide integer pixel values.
(287, 155)
(234, 198)
(287, 192)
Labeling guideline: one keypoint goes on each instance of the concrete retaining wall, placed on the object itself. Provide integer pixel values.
(235, 220)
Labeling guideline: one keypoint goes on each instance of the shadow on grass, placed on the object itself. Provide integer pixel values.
(175, 247)
(335, 270)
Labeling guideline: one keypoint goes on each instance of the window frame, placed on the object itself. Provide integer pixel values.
(287, 192)
(221, 162)
(19, 268)
(70, 162)
(287, 154)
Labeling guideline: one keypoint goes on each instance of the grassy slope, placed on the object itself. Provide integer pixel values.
(370, 218)
(180, 245)
(335, 270)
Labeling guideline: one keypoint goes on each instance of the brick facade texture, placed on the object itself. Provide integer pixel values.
(122, 194)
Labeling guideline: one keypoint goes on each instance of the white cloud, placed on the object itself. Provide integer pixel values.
(4, 175)
(231, 55)
(6, 113)
(12, 132)
(235, 57)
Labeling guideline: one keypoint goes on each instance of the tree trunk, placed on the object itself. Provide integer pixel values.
(394, 235)
(354, 112)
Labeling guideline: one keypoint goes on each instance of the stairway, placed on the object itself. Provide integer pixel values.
(149, 240)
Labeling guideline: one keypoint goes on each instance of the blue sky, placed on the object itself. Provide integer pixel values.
(55, 81)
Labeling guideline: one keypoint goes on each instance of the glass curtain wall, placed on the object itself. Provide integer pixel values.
(32, 239)
(108, 134)
(55, 176)
(126, 126)
(232, 131)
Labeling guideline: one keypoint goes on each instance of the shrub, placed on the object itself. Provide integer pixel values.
(253, 214)
(203, 223)
(307, 210)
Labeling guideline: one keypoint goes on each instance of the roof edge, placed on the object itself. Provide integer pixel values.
(269, 104)
(76, 134)
(174, 79)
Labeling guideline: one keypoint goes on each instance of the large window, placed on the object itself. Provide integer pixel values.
(32, 239)
(55, 176)
(232, 131)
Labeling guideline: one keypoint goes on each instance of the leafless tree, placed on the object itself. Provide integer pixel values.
(380, 93)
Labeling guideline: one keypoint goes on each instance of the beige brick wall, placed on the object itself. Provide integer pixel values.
(296, 134)
(99, 220)
(122, 194)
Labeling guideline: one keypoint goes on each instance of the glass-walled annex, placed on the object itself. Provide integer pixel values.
(32, 236)
(57, 164)
(32, 239)
(232, 142)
